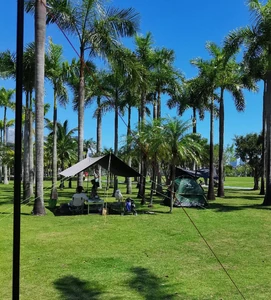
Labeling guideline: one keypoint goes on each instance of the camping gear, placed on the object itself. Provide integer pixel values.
(188, 193)
(130, 206)
(118, 195)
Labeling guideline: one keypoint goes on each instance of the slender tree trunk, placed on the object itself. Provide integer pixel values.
(159, 105)
(172, 194)
(153, 181)
(142, 107)
(116, 139)
(54, 195)
(220, 190)
(262, 191)
(40, 21)
(99, 126)
(267, 198)
(141, 190)
(99, 136)
(194, 120)
(26, 161)
(5, 142)
(31, 148)
(158, 187)
(81, 113)
(256, 179)
(155, 115)
(142, 185)
(129, 179)
(211, 194)
(1, 167)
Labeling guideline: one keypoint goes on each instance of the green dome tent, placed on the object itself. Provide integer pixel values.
(188, 193)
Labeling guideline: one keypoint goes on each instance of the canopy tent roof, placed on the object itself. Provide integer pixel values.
(109, 162)
(204, 173)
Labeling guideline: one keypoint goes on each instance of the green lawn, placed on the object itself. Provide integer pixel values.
(148, 256)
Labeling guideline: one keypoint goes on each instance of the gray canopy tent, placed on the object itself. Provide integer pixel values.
(109, 162)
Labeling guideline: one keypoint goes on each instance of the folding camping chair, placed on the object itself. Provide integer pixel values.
(77, 206)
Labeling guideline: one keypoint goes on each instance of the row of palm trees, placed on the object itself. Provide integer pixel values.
(133, 79)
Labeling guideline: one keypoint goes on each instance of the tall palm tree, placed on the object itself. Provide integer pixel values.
(144, 53)
(229, 77)
(5, 102)
(117, 85)
(99, 91)
(204, 87)
(180, 146)
(151, 135)
(164, 77)
(141, 143)
(98, 28)
(257, 57)
(40, 25)
(115, 89)
(8, 70)
(55, 73)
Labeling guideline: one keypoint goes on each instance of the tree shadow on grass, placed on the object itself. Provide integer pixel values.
(218, 207)
(6, 202)
(11, 212)
(148, 285)
(73, 288)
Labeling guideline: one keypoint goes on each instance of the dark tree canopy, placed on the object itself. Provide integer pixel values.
(249, 149)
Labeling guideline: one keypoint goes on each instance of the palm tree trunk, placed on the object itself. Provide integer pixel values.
(211, 194)
(155, 115)
(194, 120)
(262, 191)
(5, 142)
(256, 178)
(31, 147)
(26, 161)
(129, 179)
(81, 113)
(159, 105)
(158, 187)
(220, 190)
(153, 181)
(172, 194)
(1, 167)
(142, 107)
(99, 136)
(267, 198)
(54, 195)
(142, 185)
(40, 21)
(99, 126)
(116, 139)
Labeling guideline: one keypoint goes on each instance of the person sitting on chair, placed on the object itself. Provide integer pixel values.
(77, 202)
(79, 197)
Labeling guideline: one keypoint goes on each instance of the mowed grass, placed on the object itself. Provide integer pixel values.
(148, 256)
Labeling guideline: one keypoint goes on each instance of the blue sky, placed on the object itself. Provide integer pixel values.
(183, 26)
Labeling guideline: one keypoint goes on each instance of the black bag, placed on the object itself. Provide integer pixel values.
(65, 209)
